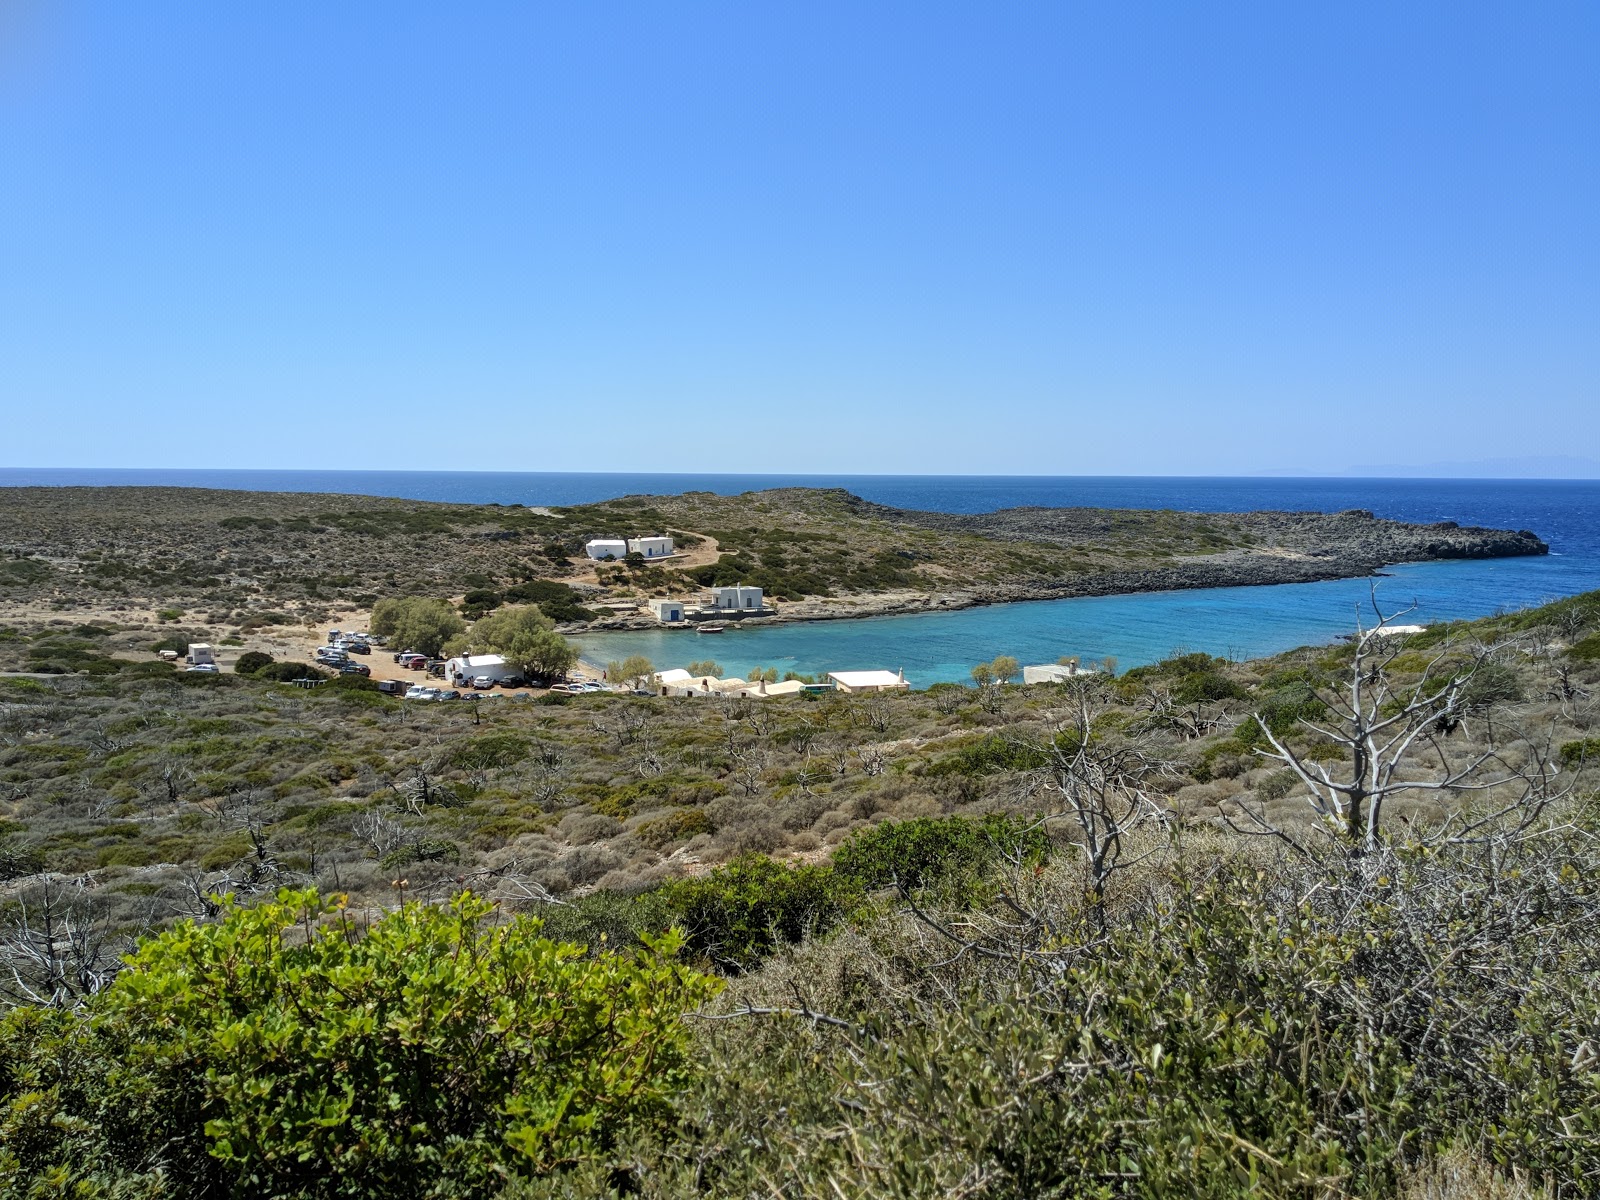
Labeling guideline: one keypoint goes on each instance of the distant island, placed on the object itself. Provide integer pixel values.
(249, 559)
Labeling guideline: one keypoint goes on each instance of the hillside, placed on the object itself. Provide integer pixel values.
(996, 940)
(238, 558)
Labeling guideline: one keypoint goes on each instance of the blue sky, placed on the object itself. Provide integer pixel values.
(928, 237)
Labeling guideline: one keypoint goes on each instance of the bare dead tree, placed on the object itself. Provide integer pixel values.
(381, 830)
(1103, 779)
(420, 787)
(748, 767)
(56, 949)
(1394, 741)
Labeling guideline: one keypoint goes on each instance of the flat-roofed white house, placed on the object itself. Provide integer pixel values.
(651, 547)
(740, 598)
(1054, 672)
(603, 548)
(869, 681)
(472, 666)
(668, 612)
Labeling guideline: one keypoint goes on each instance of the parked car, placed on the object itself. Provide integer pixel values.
(355, 668)
(413, 662)
(449, 694)
(417, 692)
(356, 647)
(202, 668)
(483, 683)
(567, 689)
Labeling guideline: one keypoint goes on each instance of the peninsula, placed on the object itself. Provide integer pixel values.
(270, 557)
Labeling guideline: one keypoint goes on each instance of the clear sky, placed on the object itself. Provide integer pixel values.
(888, 237)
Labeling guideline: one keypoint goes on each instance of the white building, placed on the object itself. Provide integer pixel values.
(470, 666)
(651, 547)
(668, 612)
(1054, 673)
(603, 548)
(868, 681)
(739, 599)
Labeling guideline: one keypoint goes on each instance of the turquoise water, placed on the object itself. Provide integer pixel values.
(1243, 622)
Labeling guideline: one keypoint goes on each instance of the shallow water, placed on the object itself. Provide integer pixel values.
(1243, 622)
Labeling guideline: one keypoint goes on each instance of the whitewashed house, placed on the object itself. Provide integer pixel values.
(603, 548)
(869, 681)
(651, 547)
(668, 612)
(739, 599)
(1054, 672)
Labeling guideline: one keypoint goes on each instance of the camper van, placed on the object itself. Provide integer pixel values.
(200, 653)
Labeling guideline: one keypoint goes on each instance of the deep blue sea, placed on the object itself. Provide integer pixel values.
(1238, 622)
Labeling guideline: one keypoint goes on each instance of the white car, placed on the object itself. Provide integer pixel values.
(418, 692)
(202, 668)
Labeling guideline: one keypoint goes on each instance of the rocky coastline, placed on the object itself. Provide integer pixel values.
(1302, 547)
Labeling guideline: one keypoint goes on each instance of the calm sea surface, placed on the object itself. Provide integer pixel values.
(1240, 622)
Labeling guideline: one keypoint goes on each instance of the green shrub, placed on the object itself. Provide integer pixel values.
(1587, 649)
(991, 754)
(926, 850)
(22, 572)
(737, 914)
(556, 600)
(422, 850)
(490, 751)
(252, 661)
(677, 826)
(478, 601)
(1586, 750)
(288, 672)
(458, 1051)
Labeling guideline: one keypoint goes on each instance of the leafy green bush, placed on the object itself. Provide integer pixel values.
(556, 600)
(990, 755)
(951, 850)
(1585, 750)
(431, 1057)
(1587, 649)
(252, 661)
(422, 850)
(21, 572)
(478, 601)
(738, 913)
(288, 672)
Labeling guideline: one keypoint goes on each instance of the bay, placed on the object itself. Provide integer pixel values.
(1237, 622)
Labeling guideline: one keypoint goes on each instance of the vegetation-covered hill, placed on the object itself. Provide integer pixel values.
(1080, 939)
(242, 558)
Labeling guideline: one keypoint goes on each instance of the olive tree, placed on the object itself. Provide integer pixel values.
(524, 637)
(417, 623)
(634, 671)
